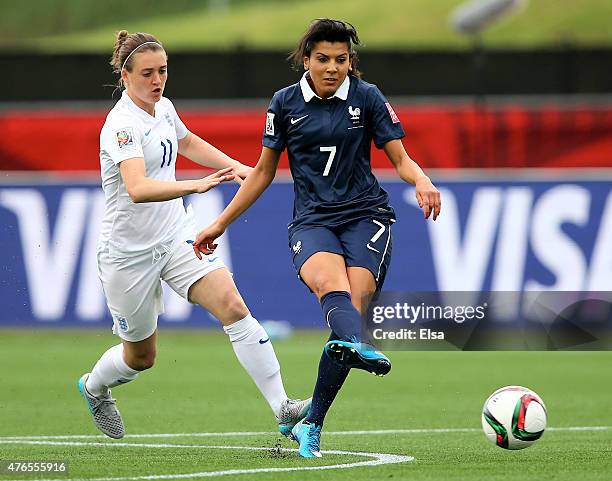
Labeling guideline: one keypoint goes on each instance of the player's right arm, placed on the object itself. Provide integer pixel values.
(141, 188)
(250, 190)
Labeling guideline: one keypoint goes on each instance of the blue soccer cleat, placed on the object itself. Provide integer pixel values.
(292, 411)
(308, 435)
(358, 355)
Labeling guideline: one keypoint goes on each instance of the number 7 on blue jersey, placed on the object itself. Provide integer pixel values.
(332, 154)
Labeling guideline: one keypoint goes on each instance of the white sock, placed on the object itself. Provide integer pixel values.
(110, 371)
(258, 359)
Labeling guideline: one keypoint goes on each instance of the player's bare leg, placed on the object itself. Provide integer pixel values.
(363, 287)
(325, 272)
(141, 355)
(217, 293)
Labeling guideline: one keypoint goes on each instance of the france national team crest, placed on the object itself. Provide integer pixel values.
(270, 123)
(354, 112)
(394, 118)
(125, 137)
(297, 247)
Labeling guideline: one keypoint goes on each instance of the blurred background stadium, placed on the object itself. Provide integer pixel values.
(513, 125)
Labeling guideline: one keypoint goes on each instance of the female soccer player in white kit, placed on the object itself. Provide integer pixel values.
(146, 235)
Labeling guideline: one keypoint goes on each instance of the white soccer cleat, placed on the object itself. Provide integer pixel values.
(292, 411)
(104, 410)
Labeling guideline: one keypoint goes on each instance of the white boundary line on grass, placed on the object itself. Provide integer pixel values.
(268, 433)
(379, 459)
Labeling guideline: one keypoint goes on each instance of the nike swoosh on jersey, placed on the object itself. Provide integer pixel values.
(295, 121)
(263, 341)
(147, 132)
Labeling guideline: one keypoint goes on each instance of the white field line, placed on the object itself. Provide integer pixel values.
(379, 459)
(267, 433)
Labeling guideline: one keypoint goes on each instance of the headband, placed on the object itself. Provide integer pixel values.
(130, 54)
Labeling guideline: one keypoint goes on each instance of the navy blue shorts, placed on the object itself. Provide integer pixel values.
(364, 243)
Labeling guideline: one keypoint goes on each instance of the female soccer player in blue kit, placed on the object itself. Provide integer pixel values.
(340, 235)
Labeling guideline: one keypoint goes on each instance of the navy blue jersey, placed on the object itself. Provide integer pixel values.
(328, 142)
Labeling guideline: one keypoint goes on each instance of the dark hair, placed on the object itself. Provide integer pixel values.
(125, 44)
(326, 30)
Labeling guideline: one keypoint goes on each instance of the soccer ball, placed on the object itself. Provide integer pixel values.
(514, 417)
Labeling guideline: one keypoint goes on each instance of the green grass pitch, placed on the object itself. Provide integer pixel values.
(198, 386)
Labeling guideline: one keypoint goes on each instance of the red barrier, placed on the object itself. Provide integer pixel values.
(436, 136)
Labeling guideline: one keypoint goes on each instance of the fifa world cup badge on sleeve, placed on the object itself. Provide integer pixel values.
(394, 118)
(125, 137)
(270, 123)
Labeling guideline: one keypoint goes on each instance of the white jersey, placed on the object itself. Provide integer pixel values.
(129, 131)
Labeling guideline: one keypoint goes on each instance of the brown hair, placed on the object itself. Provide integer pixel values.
(125, 44)
(326, 30)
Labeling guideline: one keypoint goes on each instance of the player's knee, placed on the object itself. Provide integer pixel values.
(234, 307)
(323, 284)
(142, 361)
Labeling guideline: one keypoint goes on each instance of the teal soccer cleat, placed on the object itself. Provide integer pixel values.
(292, 411)
(358, 355)
(309, 437)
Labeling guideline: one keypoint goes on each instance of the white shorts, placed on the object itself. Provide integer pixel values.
(133, 289)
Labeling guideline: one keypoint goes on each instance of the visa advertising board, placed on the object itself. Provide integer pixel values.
(492, 235)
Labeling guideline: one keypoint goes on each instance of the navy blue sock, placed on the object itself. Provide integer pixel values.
(341, 315)
(330, 379)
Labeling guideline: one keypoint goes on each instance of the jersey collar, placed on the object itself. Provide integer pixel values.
(135, 108)
(308, 93)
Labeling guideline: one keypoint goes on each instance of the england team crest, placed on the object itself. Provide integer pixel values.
(125, 137)
(122, 324)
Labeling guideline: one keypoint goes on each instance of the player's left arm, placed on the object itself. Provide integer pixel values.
(201, 152)
(409, 171)
(249, 192)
